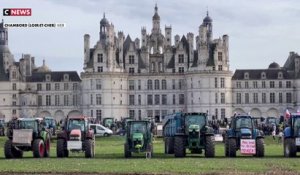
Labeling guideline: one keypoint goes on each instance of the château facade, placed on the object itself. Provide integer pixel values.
(154, 75)
(151, 76)
(27, 90)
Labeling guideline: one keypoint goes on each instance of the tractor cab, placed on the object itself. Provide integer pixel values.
(194, 127)
(77, 127)
(138, 137)
(243, 126)
(29, 124)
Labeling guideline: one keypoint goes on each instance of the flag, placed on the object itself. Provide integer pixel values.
(287, 114)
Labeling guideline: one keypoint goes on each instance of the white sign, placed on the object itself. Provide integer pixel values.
(22, 136)
(218, 138)
(248, 146)
(74, 145)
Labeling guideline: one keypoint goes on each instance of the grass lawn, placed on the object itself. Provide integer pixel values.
(109, 159)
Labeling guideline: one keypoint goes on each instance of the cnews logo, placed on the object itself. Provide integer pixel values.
(17, 12)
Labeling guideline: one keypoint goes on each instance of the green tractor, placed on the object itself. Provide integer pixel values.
(138, 138)
(27, 134)
(183, 131)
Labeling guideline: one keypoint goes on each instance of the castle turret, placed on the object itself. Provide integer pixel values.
(144, 36)
(6, 59)
(3, 35)
(207, 23)
(104, 25)
(156, 21)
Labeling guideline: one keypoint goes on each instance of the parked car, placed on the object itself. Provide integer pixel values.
(100, 130)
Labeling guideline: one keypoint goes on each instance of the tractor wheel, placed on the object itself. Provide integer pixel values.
(47, 146)
(127, 152)
(8, 149)
(179, 147)
(232, 147)
(171, 145)
(260, 148)
(226, 145)
(210, 147)
(89, 148)
(290, 149)
(166, 145)
(38, 148)
(60, 148)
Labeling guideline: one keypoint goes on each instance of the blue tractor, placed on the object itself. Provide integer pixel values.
(243, 130)
(292, 136)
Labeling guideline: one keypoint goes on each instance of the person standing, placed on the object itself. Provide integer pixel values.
(274, 131)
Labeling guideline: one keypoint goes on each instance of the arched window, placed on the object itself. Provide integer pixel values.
(149, 85)
(156, 84)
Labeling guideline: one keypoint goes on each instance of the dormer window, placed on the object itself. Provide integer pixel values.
(246, 75)
(66, 77)
(48, 77)
(263, 75)
(280, 76)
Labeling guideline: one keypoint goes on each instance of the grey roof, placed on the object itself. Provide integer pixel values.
(90, 63)
(141, 63)
(171, 64)
(126, 44)
(56, 76)
(290, 62)
(104, 21)
(211, 61)
(274, 66)
(255, 74)
(195, 61)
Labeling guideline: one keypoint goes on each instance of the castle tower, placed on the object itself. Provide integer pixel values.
(207, 23)
(156, 21)
(104, 25)
(86, 49)
(144, 37)
(205, 38)
(6, 58)
(3, 35)
(168, 35)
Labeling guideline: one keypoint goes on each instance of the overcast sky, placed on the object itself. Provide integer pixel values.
(260, 31)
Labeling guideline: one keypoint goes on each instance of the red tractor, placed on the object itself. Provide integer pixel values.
(76, 136)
